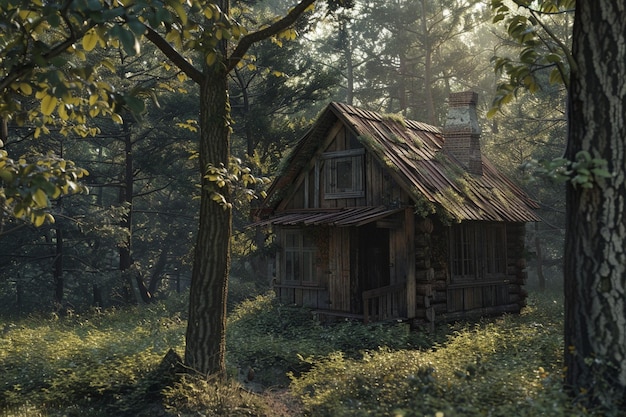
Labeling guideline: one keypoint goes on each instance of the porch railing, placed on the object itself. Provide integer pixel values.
(307, 296)
(385, 303)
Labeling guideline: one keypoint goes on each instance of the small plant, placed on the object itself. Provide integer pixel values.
(194, 395)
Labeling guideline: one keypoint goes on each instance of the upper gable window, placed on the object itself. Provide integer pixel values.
(343, 174)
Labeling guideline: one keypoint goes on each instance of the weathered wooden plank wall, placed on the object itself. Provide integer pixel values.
(339, 267)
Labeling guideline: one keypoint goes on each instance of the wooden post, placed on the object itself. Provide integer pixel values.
(411, 294)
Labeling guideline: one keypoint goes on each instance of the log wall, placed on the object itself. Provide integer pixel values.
(438, 299)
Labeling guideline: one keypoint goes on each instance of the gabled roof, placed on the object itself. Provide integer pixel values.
(413, 152)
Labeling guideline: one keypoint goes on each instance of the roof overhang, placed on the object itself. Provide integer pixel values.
(343, 217)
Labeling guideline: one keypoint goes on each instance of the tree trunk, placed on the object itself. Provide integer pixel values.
(346, 47)
(428, 71)
(59, 283)
(125, 250)
(97, 296)
(595, 255)
(206, 327)
(539, 253)
(126, 197)
(157, 273)
(4, 131)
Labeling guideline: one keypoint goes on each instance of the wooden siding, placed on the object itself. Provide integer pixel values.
(438, 297)
(339, 269)
(380, 186)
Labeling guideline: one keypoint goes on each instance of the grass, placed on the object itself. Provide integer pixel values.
(502, 367)
(98, 362)
(107, 363)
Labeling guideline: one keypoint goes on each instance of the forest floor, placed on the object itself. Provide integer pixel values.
(105, 363)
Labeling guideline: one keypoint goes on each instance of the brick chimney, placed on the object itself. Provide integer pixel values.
(462, 132)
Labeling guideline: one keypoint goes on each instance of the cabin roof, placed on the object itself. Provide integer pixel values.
(413, 152)
(341, 217)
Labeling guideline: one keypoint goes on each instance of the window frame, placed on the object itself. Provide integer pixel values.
(330, 161)
(477, 252)
(301, 251)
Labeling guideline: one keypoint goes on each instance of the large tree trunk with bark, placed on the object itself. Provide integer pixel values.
(206, 328)
(595, 254)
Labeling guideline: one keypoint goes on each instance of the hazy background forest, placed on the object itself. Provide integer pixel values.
(130, 239)
(93, 307)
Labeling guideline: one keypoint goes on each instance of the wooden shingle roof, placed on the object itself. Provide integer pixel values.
(413, 152)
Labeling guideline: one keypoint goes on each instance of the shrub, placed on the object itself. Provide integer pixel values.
(99, 361)
(507, 366)
(194, 396)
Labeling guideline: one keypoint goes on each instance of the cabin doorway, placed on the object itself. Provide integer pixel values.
(372, 263)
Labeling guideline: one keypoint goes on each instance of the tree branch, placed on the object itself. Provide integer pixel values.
(247, 41)
(173, 55)
(568, 55)
(19, 72)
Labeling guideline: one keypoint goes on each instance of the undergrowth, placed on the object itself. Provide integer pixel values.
(98, 363)
(510, 366)
(107, 363)
(272, 339)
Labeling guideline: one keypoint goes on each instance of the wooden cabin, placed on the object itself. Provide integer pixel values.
(381, 218)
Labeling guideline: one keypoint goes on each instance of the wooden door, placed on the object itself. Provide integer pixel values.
(372, 262)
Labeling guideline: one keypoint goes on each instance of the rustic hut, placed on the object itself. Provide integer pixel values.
(378, 217)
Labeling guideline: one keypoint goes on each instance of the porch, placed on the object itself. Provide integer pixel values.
(379, 304)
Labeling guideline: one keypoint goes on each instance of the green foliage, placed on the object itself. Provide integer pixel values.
(104, 364)
(508, 366)
(192, 393)
(238, 178)
(540, 47)
(583, 172)
(273, 338)
(28, 184)
(100, 361)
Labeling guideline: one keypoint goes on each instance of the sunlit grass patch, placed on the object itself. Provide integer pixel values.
(48, 363)
(507, 366)
(191, 394)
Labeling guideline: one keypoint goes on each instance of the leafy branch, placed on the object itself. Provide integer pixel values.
(238, 178)
(26, 187)
(541, 48)
(584, 171)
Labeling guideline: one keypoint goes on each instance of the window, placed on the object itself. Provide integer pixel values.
(343, 174)
(299, 265)
(477, 251)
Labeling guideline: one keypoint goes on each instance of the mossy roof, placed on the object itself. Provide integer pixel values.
(414, 154)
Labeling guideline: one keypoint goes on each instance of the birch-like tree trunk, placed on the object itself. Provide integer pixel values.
(595, 252)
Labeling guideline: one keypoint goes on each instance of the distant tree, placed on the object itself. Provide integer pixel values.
(275, 94)
(402, 56)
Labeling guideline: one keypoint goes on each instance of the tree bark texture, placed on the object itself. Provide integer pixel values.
(595, 253)
(206, 328)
